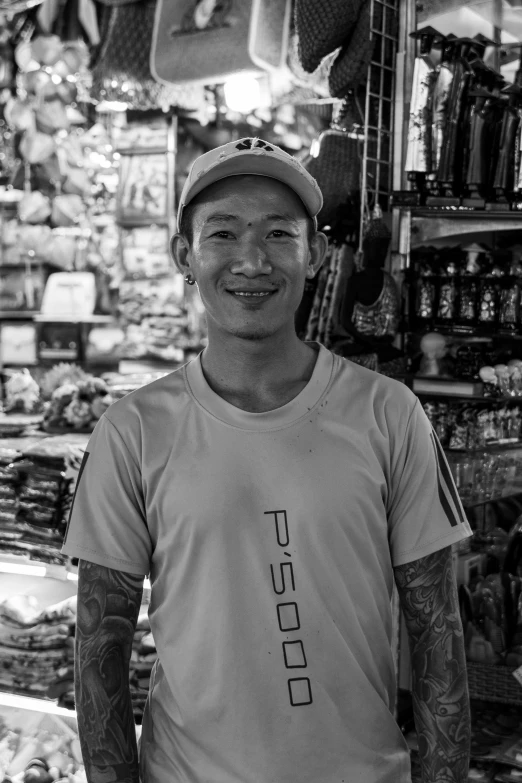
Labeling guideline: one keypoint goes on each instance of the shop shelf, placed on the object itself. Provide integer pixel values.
(34, 705)
(428, 225)
(12, 564)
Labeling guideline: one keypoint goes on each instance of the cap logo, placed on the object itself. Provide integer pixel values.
(248, 144)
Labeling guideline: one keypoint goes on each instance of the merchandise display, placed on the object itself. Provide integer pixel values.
(417, 149)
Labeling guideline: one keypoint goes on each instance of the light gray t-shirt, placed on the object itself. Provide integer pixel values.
(270, 539)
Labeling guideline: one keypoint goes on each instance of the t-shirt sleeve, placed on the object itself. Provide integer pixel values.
(425, 513)
(107, 523)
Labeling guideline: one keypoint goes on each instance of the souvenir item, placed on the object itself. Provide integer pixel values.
(321, 28)
(77, 181)
(46, 49)
(488, 300)
(418, 154)
(36, 147)
(425, 293)
(334, 162)
(19, 114)
(447, 308)
(503, 181)
(434, 348)
(502, 373)
(67, 210)
(206, 41)
(448, 174)
(59, 250)
(22, 393)
(510, 301)
(469, 287)
(350, 67)
(490, 380)
(381, 318)
(51, 116)
(34, 208)
(439, 102)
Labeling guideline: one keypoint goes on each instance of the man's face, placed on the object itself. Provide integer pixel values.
(250, 234)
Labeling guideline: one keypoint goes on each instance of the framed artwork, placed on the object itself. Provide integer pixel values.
(18, 343)
(145, 251)
(143, 188)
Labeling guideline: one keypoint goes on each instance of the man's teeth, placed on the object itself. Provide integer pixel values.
(244, 293)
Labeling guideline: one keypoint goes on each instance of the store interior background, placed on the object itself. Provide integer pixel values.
(95, 146)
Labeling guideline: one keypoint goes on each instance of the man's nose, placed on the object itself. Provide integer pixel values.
(253, 259)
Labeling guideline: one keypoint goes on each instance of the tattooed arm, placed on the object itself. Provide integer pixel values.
(429, 601)
(108, 606)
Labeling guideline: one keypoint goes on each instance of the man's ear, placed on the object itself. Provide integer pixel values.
(318, 252)
(179, 250)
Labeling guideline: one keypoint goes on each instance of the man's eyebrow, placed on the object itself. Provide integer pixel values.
(220, 218)
(281, 217)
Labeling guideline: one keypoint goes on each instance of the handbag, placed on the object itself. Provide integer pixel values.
(323, 27)
(350, 67)
(206, 42)
(121, 67)
(336, 165)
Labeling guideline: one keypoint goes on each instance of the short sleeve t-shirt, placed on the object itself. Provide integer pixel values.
(270, 539)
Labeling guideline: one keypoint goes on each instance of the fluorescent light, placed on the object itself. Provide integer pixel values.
(242, 93)
(26, 570)
(72, 577)
(146, 584)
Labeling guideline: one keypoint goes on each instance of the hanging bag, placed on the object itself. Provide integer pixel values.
(121, 68)
(207, 42)
(322, 27)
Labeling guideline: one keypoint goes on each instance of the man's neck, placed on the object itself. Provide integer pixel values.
(258, 376)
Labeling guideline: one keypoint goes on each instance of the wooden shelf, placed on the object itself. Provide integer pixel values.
(428, 225)
(14, 315)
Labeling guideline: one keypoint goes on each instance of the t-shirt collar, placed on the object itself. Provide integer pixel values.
(220, 409)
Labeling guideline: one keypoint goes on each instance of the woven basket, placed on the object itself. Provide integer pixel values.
(489, 682)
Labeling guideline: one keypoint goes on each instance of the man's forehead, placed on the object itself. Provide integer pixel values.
(269, 217)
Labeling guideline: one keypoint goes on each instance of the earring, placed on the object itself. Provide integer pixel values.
(189, 279)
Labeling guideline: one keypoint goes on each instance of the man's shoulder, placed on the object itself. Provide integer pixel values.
(157, 401)
(381, 388)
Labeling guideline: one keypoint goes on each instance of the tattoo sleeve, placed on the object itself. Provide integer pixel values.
(429, 601)
(108, 606)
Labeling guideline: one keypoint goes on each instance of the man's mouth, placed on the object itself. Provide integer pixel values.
(251, 295)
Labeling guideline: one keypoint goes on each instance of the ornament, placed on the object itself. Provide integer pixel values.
(34, 208)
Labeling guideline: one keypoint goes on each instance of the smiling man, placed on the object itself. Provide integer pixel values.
(275, 493)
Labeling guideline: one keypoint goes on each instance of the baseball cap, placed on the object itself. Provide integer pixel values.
(251, 156)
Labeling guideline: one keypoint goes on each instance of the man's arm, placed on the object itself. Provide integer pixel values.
(108, 606)
(429, 601)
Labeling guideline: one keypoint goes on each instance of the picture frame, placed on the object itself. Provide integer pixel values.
(143, 191)
(18, 343)
(145, 251)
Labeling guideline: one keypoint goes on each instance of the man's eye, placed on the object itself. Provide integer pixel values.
(224, 234)
(280, 233)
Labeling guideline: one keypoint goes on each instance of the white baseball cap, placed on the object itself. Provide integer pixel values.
(251, 156)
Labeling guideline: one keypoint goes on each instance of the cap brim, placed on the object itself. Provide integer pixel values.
(247, 162)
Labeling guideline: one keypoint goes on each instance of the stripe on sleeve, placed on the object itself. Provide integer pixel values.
(448, 495)
(82, 466)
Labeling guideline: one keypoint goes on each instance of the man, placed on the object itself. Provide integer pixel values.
(273, 491)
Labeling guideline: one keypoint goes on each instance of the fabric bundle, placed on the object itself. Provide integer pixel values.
(332, 282)
(35, 497)
(35, 644)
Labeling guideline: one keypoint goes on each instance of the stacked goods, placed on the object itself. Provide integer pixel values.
(34, 520)
(36, 644)
(8, 494)
(143, 658)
